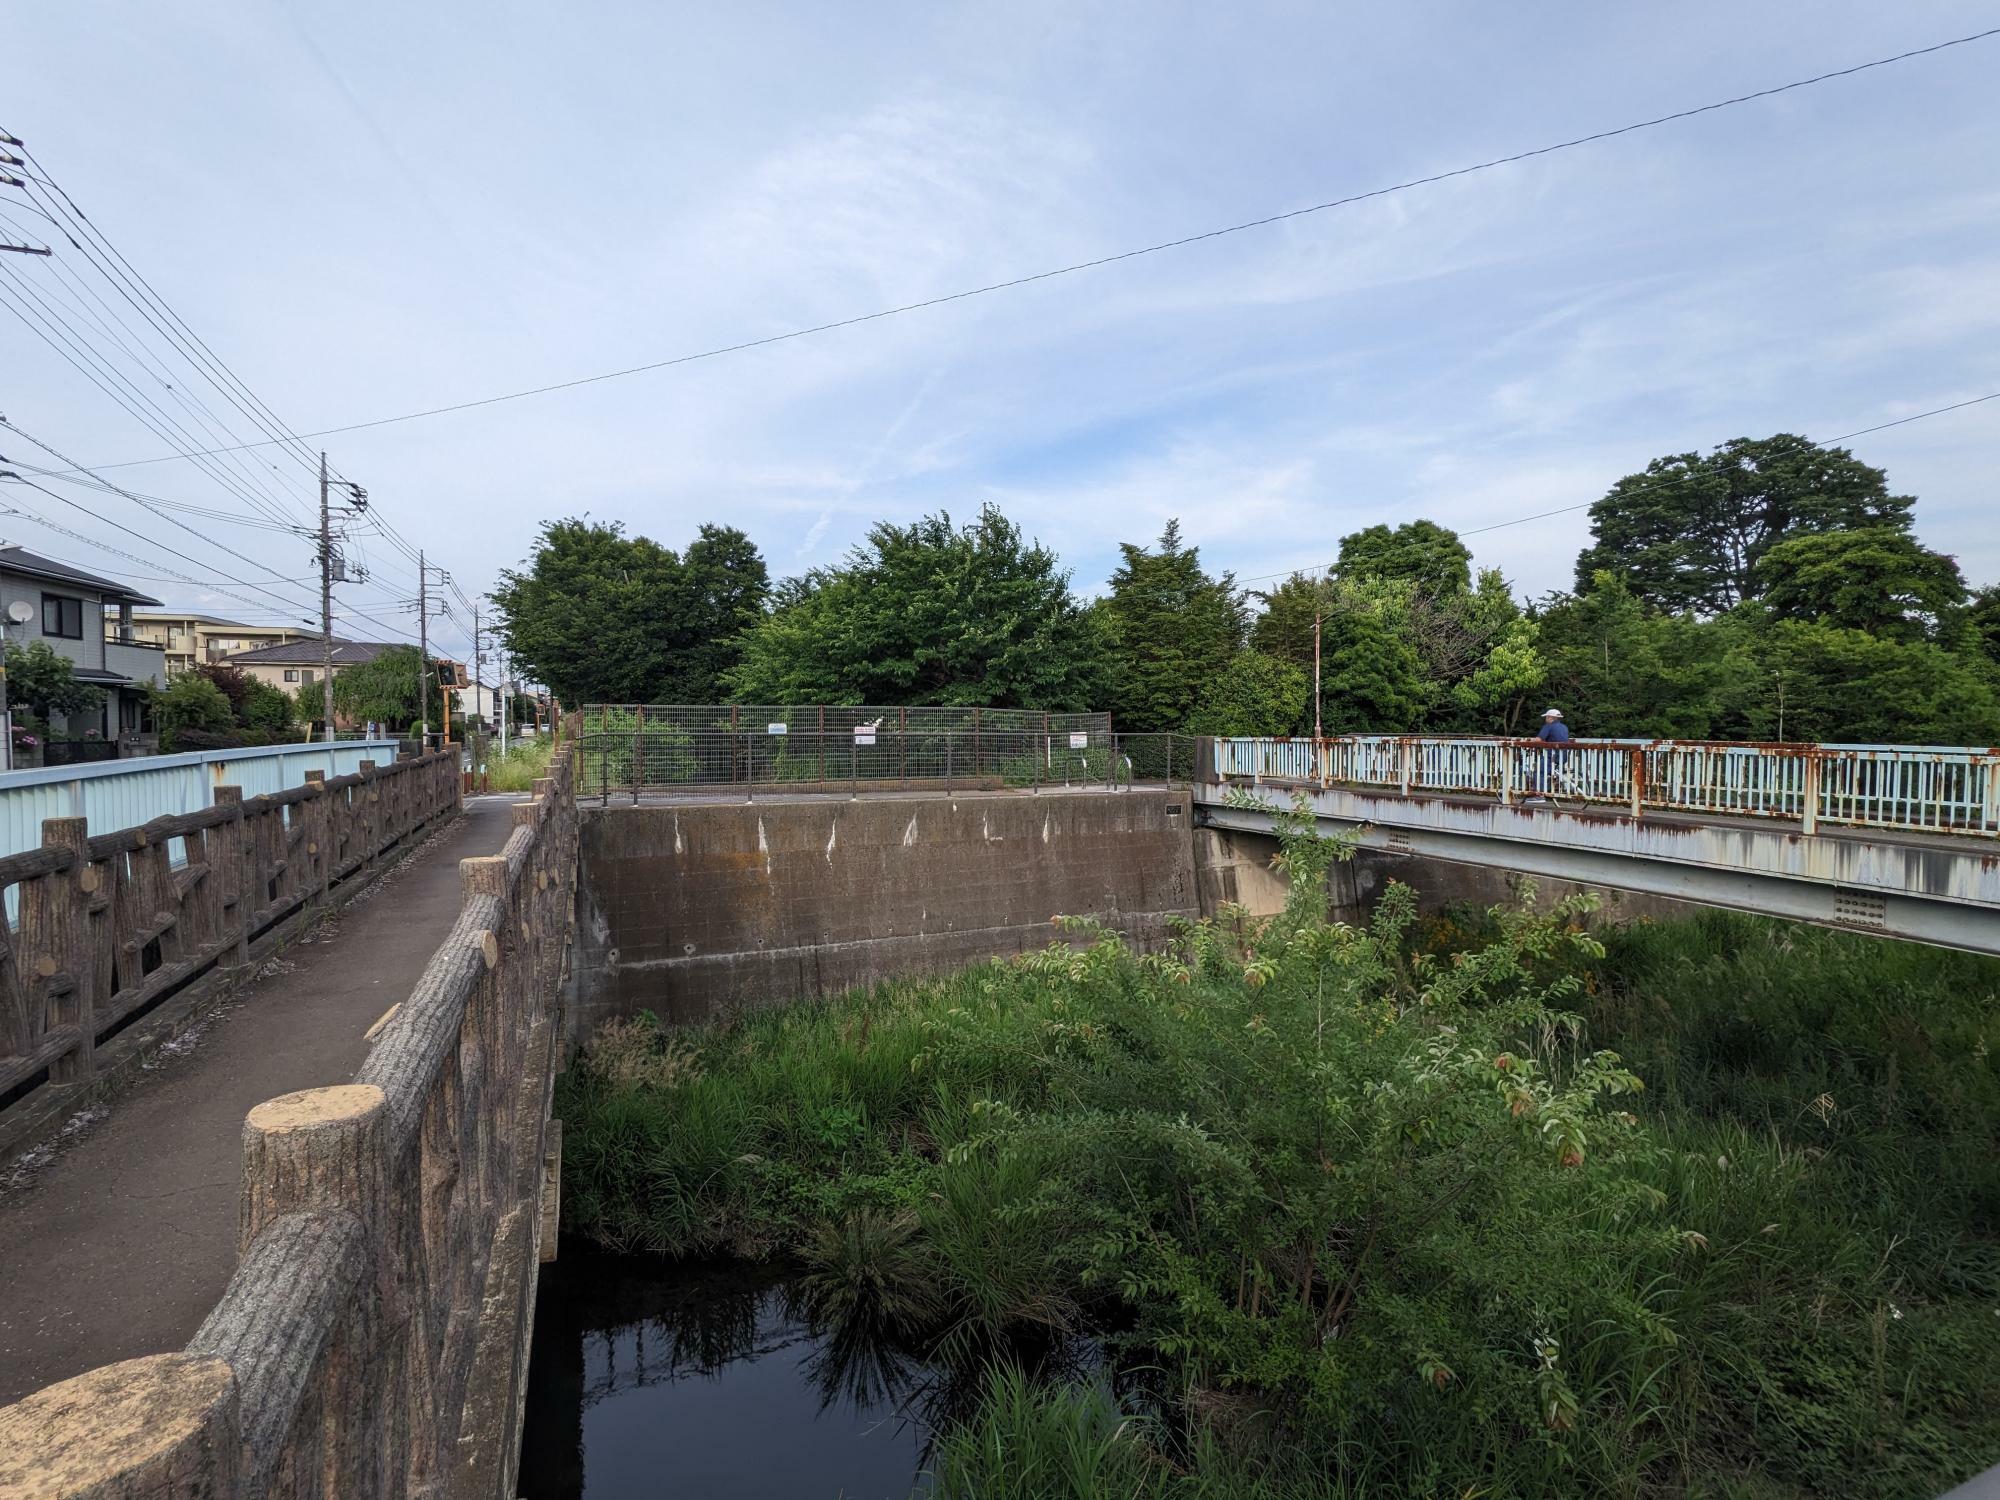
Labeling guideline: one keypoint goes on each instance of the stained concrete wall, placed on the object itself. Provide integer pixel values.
(698, 911)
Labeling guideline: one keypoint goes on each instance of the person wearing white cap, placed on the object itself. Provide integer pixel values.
(1553, 732)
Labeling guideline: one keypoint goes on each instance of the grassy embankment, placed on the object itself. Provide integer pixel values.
(1374, 1208)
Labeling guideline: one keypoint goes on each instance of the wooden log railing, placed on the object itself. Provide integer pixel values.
(373, 1340)
(106, 926)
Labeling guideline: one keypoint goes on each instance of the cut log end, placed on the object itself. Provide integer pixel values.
(315, 1109)
(162, 1425)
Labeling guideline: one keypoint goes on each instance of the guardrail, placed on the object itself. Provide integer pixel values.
(1913, 788)
(372, 1339)
(109, 925)
(661, 760)
(126, 793)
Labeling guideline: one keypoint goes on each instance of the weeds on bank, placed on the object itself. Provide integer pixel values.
(1376, 1210)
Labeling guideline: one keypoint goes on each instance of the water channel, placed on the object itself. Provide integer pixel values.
(652, 1377)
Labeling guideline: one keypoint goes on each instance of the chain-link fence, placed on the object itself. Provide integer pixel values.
(663, 759)
(745, 718)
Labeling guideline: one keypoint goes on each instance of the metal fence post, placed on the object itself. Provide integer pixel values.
(1638, 757)
(1809, 813)
(1406, 750)
(947, 763)
(638, 766)
(853, 769)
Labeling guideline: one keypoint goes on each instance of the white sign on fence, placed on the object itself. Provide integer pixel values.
(776, 729)
(1079, 741)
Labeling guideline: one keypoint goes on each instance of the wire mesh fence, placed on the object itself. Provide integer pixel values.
(817, 718)
(663, 759)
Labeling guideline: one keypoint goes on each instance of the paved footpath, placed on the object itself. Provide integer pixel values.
(121, 1243)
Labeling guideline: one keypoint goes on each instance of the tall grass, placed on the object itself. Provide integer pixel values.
(524, 762)
(1382, 1211)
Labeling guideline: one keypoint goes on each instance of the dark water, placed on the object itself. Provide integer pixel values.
(655, 1377)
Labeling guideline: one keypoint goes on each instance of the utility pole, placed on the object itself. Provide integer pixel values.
(326, 596)
(423, 653)
(1316, 730)
(506, 702)
(478, 672)
(358, 499)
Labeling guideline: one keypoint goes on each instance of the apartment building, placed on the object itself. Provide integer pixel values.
(191, 640)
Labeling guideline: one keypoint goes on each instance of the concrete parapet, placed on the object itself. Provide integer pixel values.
(697, 910)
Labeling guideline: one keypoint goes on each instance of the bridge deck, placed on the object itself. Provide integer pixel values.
(123, 1241)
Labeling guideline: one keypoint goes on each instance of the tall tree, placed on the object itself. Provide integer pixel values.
(720, 594)
(1284, 628)
(929, 613)
(1259, 694)
(1617, 666)
(43, 681)
(1421, 553)
(1687, 533)
(1877, 579)
(606, 618)
(1172, 630)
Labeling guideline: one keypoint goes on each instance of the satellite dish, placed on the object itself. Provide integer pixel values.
(20, 611)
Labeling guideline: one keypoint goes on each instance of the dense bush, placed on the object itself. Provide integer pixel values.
(1373, 1206)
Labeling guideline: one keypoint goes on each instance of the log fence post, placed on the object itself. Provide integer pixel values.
(234, 871)
(62, 965)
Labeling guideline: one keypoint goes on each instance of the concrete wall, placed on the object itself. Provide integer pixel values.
(699, 911)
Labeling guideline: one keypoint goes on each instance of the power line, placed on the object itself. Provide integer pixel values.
(1124, 255)
(1638, 489)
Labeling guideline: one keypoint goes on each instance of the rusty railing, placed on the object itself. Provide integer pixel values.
(1912, 788)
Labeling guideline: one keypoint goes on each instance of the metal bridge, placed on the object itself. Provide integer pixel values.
(1893, 839)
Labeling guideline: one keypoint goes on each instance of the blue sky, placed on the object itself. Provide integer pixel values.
(373, 208)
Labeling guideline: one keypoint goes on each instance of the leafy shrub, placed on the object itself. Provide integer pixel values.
(1385, 1188)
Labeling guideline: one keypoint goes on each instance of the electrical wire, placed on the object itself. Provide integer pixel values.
(1133, 254)
(1638, 489)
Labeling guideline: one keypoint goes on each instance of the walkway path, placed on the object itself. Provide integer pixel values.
(122, 1243)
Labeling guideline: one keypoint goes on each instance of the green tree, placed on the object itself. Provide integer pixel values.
(1687, 533)
(1877, 579)
(1372, 678)
(384, 690)
(1836, 684)
(1284, 628)
(1257, 694)
(191, 702)
(720, 594)
(929, 613)
(606, 618)
(266, 708)
(1616, 666)
(1421, 553)
(43, 681)
(1172, 629)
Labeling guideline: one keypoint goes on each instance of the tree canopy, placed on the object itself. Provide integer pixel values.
(928, 613)
(1876, 579)
(1687, 532)
(1172, 629)
(43, 681)
(1421, 553)
(384, 691)
(606, 618)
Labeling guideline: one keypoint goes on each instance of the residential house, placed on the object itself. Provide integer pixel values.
(293, 665)
(192, 640)
(45, 600)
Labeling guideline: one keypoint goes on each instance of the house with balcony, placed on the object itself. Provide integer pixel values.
(192, 640)
(89, 620)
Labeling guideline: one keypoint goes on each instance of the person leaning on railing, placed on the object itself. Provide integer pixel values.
(1553, 732)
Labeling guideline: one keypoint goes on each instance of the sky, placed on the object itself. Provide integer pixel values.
(372, 209)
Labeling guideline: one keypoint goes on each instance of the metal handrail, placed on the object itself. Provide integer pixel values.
(1914, 788)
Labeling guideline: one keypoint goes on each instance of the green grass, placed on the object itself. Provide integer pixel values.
(1377, 1212)
(524, 762)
